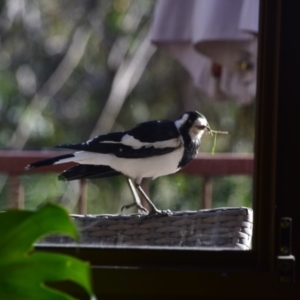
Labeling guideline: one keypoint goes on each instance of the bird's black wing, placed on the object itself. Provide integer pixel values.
(155, 131)
(87, 171)
(146, 140)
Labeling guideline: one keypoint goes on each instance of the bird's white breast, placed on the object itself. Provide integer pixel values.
(154, 166)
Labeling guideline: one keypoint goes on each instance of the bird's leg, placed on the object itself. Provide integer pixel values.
(137, 201)
(153, 210)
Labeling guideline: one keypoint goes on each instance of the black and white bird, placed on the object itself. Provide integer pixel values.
(150, 150)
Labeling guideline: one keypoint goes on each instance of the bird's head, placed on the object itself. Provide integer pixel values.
(193, 123)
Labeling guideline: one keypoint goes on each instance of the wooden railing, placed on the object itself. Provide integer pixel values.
(207, 166)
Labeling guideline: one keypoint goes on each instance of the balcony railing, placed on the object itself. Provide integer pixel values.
(207, 166)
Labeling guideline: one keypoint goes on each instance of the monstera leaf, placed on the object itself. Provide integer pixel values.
(23, 271)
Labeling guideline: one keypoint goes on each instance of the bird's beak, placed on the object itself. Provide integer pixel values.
(207, 129)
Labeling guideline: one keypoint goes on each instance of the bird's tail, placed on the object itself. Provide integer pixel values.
(51, 161)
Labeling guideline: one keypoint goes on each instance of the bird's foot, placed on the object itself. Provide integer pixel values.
(140, 207)
(143, 210)
(159, 212)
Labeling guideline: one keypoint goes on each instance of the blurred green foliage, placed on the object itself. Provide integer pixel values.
(26, 273)
(59, 61)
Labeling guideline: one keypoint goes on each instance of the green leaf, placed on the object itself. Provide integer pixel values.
(24, 278)
(20, 229)
(23, 273)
